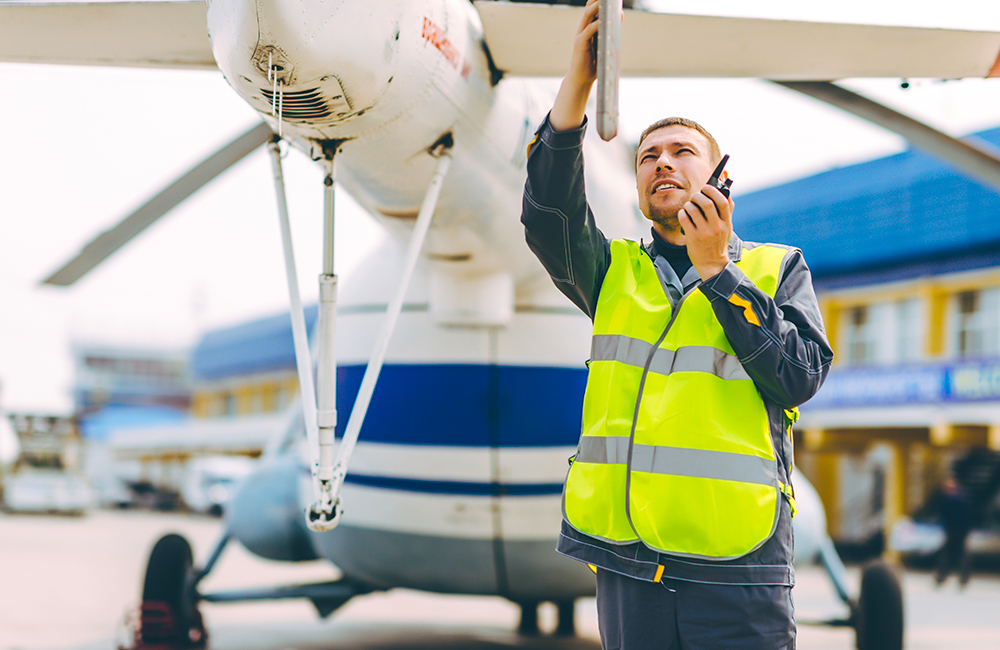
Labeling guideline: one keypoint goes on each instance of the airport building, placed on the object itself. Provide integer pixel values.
(905, 255)
(138, 376)
(117, 386)
(240, 381)
(121, 387)
(248, 369)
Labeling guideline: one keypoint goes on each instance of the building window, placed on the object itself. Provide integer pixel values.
(218, 405)
(283, 398)
(230, 404)
(883, 333)
(859, 336)
(257, 400)
(976, 315)
(909, 330)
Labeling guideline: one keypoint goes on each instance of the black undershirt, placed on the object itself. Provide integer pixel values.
(677, 256)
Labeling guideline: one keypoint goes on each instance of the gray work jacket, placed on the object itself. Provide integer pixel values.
(787, 356)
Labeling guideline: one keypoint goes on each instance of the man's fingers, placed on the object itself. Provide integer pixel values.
(683, 215)
(589, 14)
(717, 199)
(701, 209)
(588, 29)
(697, 202)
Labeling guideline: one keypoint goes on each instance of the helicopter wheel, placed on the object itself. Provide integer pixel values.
(528, 625)
(879, 613)
(565, 621)
(169, 616)
(566, 625)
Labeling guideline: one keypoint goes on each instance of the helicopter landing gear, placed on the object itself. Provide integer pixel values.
(565, 621)
(169, 618)
(878, 617)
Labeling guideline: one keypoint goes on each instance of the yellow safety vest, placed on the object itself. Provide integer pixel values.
(676, 450)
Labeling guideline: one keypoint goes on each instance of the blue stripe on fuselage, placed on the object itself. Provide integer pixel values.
(462, 488)
(467, 405)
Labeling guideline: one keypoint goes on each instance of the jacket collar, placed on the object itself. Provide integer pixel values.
(735, 246)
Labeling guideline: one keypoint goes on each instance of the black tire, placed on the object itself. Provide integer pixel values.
(566, 625)
(879, 614)
(528, 625)
(169, 604)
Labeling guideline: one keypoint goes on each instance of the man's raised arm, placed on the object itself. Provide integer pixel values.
(559, 226)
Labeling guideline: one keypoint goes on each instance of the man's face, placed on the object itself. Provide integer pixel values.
(674, 163)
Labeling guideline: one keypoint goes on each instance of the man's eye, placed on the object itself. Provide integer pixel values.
(684, 151)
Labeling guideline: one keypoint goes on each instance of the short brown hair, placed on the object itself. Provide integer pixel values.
(680, 121)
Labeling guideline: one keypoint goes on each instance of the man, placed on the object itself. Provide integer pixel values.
(957, 517)
(679, 496)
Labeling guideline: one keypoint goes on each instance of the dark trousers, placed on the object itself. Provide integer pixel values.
(953, 557)
(676, 615)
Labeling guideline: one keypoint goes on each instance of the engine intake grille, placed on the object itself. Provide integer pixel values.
(301, 105)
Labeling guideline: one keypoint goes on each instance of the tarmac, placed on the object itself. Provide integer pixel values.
(69, 584)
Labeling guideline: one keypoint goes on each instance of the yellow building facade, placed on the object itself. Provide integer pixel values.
(905, 257)
(915, 383)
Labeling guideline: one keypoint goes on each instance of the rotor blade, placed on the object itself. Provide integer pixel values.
(140, 34)
(980, 161)
(108, 242)
(535, 40)
(609, 37)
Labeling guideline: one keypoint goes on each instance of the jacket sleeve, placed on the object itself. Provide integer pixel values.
(558, 223)
(785, 352)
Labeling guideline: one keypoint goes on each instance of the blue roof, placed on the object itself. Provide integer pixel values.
(262, 345)
(100, 424)
(901, 216)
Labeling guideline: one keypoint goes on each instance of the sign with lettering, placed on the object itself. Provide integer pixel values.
(960, 381)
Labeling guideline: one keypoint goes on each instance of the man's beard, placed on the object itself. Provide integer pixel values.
(666, 219)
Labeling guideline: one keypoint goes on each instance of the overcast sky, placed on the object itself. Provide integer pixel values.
(83, 147)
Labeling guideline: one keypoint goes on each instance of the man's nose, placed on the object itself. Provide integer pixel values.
(664, 162)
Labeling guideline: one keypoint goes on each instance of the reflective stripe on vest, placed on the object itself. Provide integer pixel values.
(678, 460)
(676, 448)
(693, 358)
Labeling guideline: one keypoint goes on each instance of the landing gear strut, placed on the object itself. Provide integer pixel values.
(319, 402)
